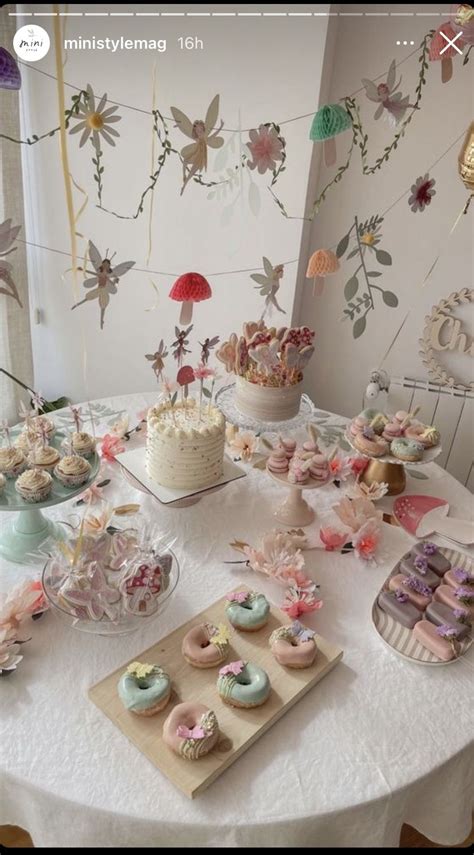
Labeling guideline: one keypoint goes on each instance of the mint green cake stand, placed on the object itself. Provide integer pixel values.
(21, 537)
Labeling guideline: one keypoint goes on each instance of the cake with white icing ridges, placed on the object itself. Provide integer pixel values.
(185, 444)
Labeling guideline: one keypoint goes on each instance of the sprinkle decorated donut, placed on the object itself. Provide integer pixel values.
(428, 436)
(206, 645)
(144, 689)
(369, 444)
(293, 645)
(247, 610)
(243, 684)
(191, 730)
(407, 449)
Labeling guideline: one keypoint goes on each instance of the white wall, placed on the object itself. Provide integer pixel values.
(264, 69)
(364, 48)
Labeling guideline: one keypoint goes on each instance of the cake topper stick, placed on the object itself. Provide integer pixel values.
(206, 346)
(6, 432)
(25, 414)
(43, 432)
(37, 401)
(214, 378)
(158, 360)
(179, 346)
(77, 417)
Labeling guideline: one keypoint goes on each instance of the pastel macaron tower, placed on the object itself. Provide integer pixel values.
(278, 461)
(319, 469)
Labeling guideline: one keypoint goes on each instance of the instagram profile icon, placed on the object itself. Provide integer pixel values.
(31, 43)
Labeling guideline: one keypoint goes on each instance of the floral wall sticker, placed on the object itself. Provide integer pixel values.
(268, 284)
(421, 193)
(8, 234)
(360, 290)
(105, 276)
(204, 134)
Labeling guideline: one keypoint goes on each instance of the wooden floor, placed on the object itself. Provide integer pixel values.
(16, 838)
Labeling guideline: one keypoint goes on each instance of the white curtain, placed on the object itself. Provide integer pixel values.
(15, 335)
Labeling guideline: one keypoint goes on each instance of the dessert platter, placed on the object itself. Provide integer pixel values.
(196, 700)
(425, 609)
(39, 468)
(298, 468)
(391, 443)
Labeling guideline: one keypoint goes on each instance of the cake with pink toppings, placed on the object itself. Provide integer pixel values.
(268, 364)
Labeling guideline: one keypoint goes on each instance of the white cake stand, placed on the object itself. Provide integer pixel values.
(295, 511)
(225, 400)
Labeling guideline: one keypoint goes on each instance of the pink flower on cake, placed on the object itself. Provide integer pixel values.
(168, 387)
(233, 668)
(332, 538)
(354, 513)
(202, 372)
(299, 601)
(367, 539)
(24, 600)
(110, 446)
(266, 148)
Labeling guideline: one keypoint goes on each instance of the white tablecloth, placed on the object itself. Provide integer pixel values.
(377, 743)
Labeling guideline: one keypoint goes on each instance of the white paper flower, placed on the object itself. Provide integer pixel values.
(96, 120)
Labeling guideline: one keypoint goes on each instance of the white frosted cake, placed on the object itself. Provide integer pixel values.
(185, 449)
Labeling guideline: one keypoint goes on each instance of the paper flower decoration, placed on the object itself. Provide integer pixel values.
(9, 658)
(355, 513)
(278, 557)
(158, 359)
(111, 445)
(462, 18)
(441, 50)
(321, 264)
(244, 445)
(8, 234)
(301, 600)
(421, 193)
(333, 538)
(95, 120)
(268, 285)
(105, 276)
(10, 77)
(265, 147)
(328, 122)
(386, 96)
(188, 289)
(204, 134)
(366, 540)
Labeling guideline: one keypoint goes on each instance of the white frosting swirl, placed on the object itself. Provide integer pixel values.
(72, 464)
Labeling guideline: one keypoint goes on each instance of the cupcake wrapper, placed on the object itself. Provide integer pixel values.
(72, 480)
(39, 496)
(14, 473)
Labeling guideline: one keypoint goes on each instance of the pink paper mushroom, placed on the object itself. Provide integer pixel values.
(321, 263)
(441, 50)
(188, 289)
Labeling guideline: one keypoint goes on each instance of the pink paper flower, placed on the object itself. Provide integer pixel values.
(266, 149)
(244, 444)
(299, 601)
(110, 446)
(340, 467)
(232, 668)
(190, 733)
(24, 600)
(354, 513)
(93, 494)
(168, 387)
(95, 524)
(421, 193)
(120, 427)
(332, 538)
(9, 658)
(367, 539)
(237, 596)
(358, 465)
(202, 372)
(278, 557)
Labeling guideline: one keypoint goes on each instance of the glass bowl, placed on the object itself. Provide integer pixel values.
(124, 621)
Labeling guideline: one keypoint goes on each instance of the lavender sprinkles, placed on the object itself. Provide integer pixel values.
(447, 632)
(401, 596)
(464, 595)
(421, 564)
(462, 576)
(417, 585)
(462, 615)
(430, 548)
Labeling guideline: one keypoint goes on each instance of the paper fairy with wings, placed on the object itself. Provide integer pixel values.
(269, 285)
(204, 134)
(105, 276)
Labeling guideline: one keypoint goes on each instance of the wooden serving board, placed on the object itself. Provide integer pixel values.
(240, 728)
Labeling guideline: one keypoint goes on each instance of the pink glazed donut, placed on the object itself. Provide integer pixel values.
(191, 730)
(205, 645)
(369, 444)
(293, 646)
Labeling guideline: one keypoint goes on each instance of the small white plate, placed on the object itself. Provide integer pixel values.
(134, 463)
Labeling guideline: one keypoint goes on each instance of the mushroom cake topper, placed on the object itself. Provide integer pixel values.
(188, 289)
(330, 120)
(321, 263)
(105, 276)
(204, 134)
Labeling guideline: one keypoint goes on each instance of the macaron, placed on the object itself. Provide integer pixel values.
(278, 461)
(288, 446)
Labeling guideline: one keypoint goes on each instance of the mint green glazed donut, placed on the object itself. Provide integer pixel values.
(144, 689)
(249, 688)
(407, 449)
(250, 614)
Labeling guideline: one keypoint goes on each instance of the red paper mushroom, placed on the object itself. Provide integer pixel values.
(440, 49)
(188, 289)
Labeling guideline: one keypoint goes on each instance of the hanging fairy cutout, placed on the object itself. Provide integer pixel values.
(8, 234)
(206, 346)
(105, 276)
(204, 133)
(389, 100)
(179, 346)
(269, 285)
(158, 360)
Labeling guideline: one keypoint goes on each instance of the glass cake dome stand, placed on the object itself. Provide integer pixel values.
(225, 400)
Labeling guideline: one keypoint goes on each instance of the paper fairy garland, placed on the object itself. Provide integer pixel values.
(105, 276)
(443, 333)
(8, 233)
(204, 134)
(268, 285)
(368, 237)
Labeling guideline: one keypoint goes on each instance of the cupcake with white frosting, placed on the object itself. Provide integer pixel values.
(26, 440)
(82, 443)
(72, 470)
(44, 457)
(12, 462)
(43, 425)
(34, 485)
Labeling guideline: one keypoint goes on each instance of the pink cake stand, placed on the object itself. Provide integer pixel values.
(295, 511)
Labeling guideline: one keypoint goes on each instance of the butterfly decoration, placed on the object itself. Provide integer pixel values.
(237, 596)
(204, 134)
(206, 347)
(179, 345)
(221, 634)
(105, 276)
(265, 355)
(269, 285)
(8, 234)
(301, 632)
(184, 732)
(233, 668)
(158, 360)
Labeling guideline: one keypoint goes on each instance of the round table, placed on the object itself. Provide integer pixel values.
(377, 743)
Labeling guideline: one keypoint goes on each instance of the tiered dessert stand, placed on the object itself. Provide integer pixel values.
(390, 469)
(295, 511)
(225, 400)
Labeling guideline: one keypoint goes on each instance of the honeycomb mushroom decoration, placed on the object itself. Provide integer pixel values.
(188, 289)
(440, 50)
(321, 263)
(10, 77)
(329, 121)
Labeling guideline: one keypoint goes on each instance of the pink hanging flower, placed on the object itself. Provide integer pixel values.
(421, 193)
(299, 601)
(367, 539)
(266, 149)
(111, 446)
(333, 539)
(202, 372)
(358, 465)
